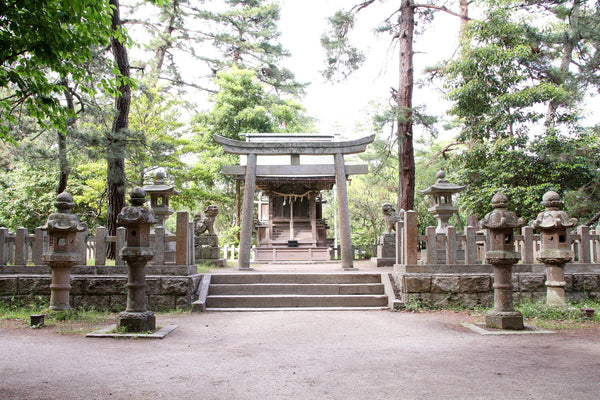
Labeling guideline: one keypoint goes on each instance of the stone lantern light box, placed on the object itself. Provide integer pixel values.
(442, 208)
(159, 193)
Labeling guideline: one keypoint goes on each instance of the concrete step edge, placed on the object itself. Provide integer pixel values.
(257, 309)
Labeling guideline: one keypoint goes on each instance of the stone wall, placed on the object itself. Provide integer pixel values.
(105, 292)
(470, 290)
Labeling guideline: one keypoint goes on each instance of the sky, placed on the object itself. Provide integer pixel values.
(339, 106)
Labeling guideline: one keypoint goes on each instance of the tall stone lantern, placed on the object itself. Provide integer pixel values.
(62, 254)
(500, 225)
(442, 208)
(159, 193)
(137, 220)
(553, 224)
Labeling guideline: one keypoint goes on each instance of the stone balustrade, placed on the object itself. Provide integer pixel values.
(454, 248)
(21, 248)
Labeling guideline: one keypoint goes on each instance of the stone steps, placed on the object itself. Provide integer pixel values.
(279, 291)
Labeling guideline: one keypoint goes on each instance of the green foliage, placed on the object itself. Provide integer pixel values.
(501, 83)
(342, 57)
(39, 42)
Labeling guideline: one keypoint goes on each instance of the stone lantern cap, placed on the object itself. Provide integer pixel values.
(136, 213)
(64, 220)
(442, 186)
(160, 186)
(553, 217)
(501, 217)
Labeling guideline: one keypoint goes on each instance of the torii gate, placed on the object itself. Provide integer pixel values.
(337, 149)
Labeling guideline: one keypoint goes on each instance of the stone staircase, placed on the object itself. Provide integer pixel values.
(292, 291)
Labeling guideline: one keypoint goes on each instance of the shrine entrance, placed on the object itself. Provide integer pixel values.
(290, 171)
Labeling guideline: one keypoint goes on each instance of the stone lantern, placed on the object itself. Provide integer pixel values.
(159, 197)
(441, 192)
(556, 246)
(500, 224)
(62, 254)
(137, 220)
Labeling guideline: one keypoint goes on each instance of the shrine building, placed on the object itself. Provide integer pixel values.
(290, 173)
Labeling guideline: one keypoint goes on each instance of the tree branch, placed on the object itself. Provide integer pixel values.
(440, 8)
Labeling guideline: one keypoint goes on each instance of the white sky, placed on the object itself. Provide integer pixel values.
(338, 106)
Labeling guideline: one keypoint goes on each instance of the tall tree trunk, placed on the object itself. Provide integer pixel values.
(567, 58)
(161, 51)
(406, 158)
(63, 161)
(115, 157)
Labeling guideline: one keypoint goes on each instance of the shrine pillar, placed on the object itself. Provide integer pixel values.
(344, 212)
(247, 213)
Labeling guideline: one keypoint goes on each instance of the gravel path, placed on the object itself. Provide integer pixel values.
(302, 355)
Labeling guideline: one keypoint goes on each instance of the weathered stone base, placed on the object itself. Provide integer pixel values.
(105, 292)
(221, 262)
(136, 321)
(504, 320)
(382, 262)
(472, 286)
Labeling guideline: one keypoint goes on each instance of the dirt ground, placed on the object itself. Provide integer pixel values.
(301, 355)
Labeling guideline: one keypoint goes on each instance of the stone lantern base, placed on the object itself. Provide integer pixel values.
(504, 320)
(136, 321)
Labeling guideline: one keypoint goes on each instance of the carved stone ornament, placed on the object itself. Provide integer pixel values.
(501, 217)
(64, 220)
(553, 217)
(136, 213)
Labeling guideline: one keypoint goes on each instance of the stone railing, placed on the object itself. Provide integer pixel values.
(469, 247)
(22, 248)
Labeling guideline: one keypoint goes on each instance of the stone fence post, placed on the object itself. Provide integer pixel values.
(100, 245)
(182, 239)
(3, 246)
(470, 245)
(20, 257)
(410, 237)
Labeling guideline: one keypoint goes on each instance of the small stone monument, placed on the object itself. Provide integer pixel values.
(137, 219)
(386, 250)
(159, 193)
(500, 225)
(442, 208)
(556, 247)
(62, 254)
(206, 241)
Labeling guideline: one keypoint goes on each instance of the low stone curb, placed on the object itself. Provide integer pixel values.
(106, 333)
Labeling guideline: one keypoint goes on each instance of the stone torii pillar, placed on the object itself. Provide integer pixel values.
(252, 149)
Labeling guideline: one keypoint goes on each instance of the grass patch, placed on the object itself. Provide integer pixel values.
(206, 268)
(73, 321)
(556, 318)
